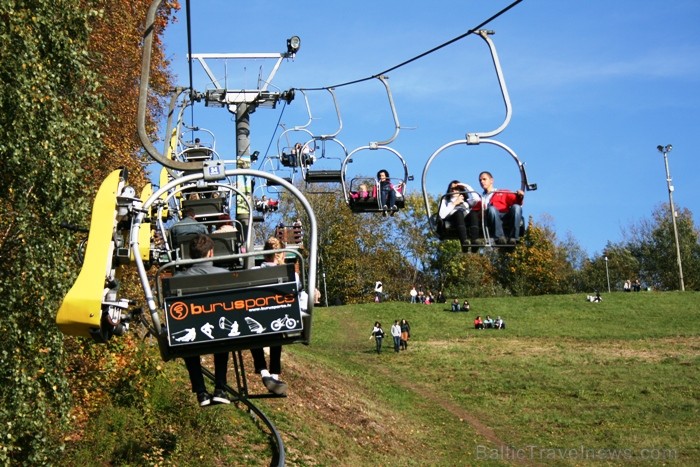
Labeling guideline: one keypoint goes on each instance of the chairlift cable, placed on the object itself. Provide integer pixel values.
(417, 57)
(272, 138)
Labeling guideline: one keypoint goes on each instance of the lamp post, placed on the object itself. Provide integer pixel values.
(665, 150)
(325, 291)
(607, 273)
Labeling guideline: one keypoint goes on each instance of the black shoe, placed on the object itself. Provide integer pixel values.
(275, 386)
(501, 241)
(204, 399)
(220, 397)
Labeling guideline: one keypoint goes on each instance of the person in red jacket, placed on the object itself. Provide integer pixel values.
(504, 207)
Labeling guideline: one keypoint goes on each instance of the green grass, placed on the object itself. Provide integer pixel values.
(565, 374)
(566, 383)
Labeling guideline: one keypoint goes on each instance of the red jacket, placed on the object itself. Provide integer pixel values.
(502, 200)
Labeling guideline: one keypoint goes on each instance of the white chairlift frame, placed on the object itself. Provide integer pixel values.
(477, 138)
(226, 97)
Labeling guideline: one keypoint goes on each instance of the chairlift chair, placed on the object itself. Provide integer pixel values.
(252, 289)
(321, 162)
(443, 230)
(372, 203)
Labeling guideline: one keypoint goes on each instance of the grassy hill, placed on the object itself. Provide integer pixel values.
(566, 382)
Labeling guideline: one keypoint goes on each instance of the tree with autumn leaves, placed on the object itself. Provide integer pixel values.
(402, 251)
(70, 71)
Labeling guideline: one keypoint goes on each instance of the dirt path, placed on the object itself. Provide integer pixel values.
(481, 429)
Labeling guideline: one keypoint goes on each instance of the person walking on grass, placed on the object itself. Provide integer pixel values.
(396, 334)
(378, 335)
(405, 334)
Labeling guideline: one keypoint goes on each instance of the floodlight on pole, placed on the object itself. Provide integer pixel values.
(293, 45)
(607, 273)
(665, 150)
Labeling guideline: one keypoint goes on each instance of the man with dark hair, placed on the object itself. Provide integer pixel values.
(202, 246)
(504, 207)
(186, 226)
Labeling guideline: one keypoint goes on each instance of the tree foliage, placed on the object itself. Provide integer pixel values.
(653, 244)
(56, 111)
(70, 70)
(537, 266)
(49, 104)
(115, 53)
(355, 250)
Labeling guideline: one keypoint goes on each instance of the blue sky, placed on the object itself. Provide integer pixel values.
(595, 87)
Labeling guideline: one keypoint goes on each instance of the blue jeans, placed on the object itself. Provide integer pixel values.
(397, 343)
(387, 196)
(379, 344)
(511, 218)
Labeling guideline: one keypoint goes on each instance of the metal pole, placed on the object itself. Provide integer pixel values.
(325, 291)
(607, 273)
(243, 183)
(665, 150)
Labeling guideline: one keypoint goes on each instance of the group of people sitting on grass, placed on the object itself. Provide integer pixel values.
(594, 298)
(427, 298)
(489, 323)
(463, 307)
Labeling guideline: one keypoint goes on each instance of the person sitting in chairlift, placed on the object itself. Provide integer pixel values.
(503, 207)
(387, 195)
(362, 194)
(303, 154)
(457, 207)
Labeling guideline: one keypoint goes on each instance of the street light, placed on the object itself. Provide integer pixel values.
(607, 273)
(665, 150)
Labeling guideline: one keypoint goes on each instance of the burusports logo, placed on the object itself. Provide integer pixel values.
(178, 310)
(181, 310)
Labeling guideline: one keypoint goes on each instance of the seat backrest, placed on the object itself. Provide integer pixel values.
(205, 209)
(178, 286)
(197, 154)
(323, 176)
(227, 243)
(181, 242)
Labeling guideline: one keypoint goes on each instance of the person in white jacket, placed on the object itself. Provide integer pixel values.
(456, 207)
(396, 334)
